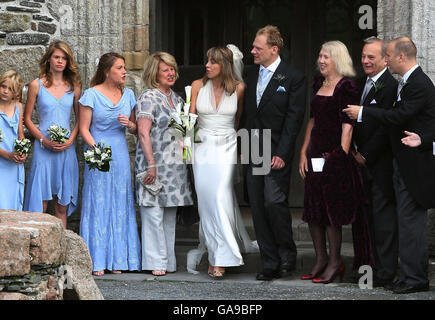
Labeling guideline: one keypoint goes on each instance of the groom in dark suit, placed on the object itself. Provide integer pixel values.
(274, 103)
(414, 169)
(374, 155)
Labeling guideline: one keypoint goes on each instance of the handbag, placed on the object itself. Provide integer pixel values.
(153, 188)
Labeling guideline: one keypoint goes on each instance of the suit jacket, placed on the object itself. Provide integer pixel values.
(281, 111)
(416, 113)
(373, 140)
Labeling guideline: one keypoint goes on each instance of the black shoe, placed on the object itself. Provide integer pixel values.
(266, 276)
(390, 286)
(286, 271)
(404, 288)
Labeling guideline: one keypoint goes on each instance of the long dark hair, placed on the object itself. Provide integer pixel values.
(105, 63)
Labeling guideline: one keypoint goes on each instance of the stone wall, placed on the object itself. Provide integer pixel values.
(412, 18)
(91, 28)
(40, 260)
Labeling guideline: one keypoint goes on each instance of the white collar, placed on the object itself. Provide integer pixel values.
(407, 74)
(272, 68)
(376, 77)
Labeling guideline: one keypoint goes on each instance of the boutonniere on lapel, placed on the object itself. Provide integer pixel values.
(280, 79)
(378, 85)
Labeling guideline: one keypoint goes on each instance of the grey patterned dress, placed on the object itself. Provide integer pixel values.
(171, 172)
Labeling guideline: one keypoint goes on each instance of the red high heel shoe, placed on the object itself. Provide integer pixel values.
(311, 276)
(339, 271)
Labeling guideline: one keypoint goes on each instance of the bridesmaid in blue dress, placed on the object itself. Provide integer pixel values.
(54, 172)
(11, 127)
(108, 217)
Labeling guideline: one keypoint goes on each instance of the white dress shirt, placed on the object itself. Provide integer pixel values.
(271, 70)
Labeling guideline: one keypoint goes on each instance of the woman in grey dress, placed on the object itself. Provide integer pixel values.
(159, 155)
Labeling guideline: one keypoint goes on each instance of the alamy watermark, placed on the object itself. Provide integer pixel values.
(366, 281)
(366, 20)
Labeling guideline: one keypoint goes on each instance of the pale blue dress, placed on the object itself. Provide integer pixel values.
(12, 175)
(108, 217)
(52, 173)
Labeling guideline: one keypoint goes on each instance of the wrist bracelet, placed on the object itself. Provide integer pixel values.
(40, 141)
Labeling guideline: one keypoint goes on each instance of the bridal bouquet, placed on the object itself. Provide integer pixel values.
(58, 133)
(99, 157)
(183, 123)
(22, 146)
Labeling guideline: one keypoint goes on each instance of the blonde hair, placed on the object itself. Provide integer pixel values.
(17, 83)
(341, 57)
(224, 58)
(71, 72)
(151, 68)
(273, 36)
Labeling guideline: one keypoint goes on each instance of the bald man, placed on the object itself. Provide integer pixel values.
(413, 168)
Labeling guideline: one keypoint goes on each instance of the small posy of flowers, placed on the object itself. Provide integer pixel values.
(22, 146)
(378, 85)
(184, 123)
(280, 78)
(98, 157)
(58, 133)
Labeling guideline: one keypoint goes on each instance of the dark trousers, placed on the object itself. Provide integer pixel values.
(268, 198)
(413, 248)
(382, 216)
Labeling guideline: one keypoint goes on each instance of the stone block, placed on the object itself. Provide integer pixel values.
(15, 258)
(140, 38)
(129, 62)
(139, 60)
(47, 27)
(21, 9)
(21, 39)
(30, 4)
(42, 18)
(14, 22)
(24, 61)
(128, 39)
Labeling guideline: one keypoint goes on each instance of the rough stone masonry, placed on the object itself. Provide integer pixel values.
(39, 260)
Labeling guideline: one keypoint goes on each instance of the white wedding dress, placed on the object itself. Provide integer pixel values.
(221, 230)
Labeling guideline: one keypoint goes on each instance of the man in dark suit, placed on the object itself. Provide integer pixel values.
(373, 152)
(414, 169)
(274, 103)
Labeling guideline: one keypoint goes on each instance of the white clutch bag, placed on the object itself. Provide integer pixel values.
(154, 188)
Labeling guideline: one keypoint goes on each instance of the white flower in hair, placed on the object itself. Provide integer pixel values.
(97, 61)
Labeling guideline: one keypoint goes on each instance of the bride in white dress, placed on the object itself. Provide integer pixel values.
(217, 98)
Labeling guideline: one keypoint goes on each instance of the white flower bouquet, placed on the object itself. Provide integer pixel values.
(58, 133)
(184, 123)
(22, 146)
(99, 157)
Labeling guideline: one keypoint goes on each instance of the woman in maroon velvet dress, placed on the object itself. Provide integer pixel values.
(333, 188)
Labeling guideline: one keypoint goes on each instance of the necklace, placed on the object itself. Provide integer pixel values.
(166, 94)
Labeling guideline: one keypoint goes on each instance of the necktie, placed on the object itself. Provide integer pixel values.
(261, 85)
(367, 88)
(400, 87)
